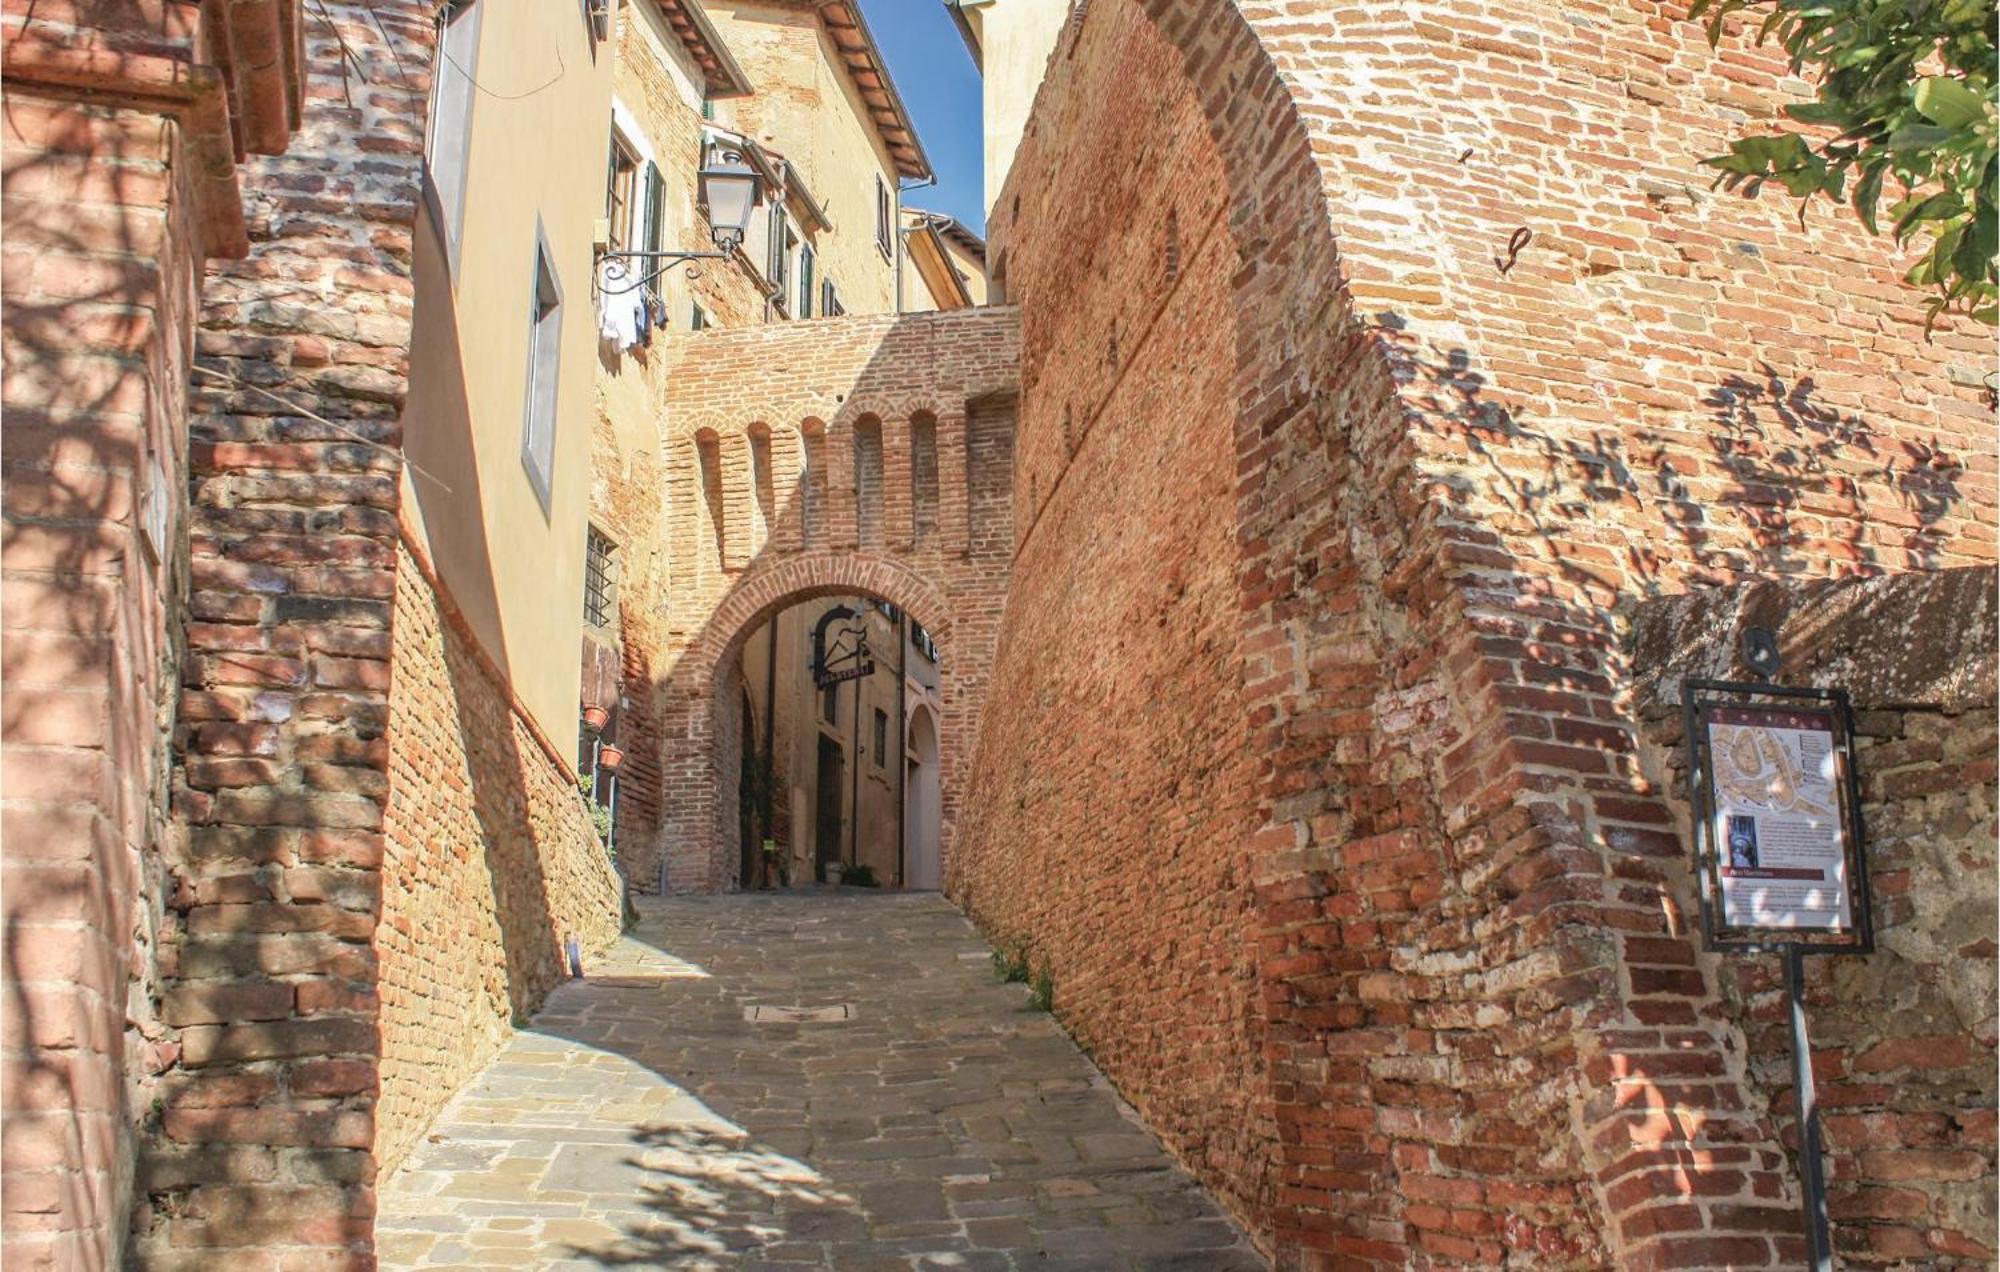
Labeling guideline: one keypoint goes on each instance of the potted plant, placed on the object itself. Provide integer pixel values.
(860, 875)
(596, 717)
(609, 757)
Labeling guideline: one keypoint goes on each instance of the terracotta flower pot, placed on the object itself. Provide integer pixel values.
(595, 718)
(609, 757)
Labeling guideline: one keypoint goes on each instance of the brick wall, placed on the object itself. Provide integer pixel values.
(100, 282)
(1455, 476)
(1903, 1039)
(1109, 801)
(490, 862)
(120, 176)
(705, 564)
(265, 1124)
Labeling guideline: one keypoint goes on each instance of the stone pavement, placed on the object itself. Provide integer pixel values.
(644, 1120)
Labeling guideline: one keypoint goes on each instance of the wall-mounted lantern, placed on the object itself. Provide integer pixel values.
(731, 190)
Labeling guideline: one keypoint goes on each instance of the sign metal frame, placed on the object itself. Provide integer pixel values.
(1699, 698)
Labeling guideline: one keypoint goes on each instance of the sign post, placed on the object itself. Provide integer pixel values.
(1780, 857)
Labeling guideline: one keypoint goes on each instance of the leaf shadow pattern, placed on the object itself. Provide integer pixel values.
(1769, 480)
(715, 1194)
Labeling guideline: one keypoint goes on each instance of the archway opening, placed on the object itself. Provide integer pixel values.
(838, 775)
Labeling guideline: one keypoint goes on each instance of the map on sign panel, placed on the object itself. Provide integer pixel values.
(1777, 819)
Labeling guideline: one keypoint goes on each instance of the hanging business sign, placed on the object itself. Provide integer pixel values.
(841, 653)
(1778, 832)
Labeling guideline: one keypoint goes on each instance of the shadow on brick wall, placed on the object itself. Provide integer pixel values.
(97, 279)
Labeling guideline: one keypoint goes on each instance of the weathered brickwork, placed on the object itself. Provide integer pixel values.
(490, 863)
(1454, 476)
(1108, 809)
(99, 286)
(1903, 1039)
(120, 176)
(708, 560)
(265, 1125)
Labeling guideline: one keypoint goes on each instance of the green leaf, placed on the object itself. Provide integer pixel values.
(1867, 194)
(1920, 137)
(1947, 102)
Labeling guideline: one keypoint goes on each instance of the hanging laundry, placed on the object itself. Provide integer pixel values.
(622, 317)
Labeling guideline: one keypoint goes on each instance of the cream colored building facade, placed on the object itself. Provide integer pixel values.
(504, 343)
(1011, 41)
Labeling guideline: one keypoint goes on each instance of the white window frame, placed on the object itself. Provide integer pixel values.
(544, 367)
(448, 124)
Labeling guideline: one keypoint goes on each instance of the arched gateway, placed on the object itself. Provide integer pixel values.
(888, 476)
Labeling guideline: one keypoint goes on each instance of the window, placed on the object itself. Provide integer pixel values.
(656, 203)
(538, 431)
(921, 639)
(883, 217)
(448, 124)
(881, 737)
(698, 319)
(829, 300)
(621, 187)
(600, 580)
(829, 704)
(806, 281)
(708, 109)
(597, 14)
(782, 242)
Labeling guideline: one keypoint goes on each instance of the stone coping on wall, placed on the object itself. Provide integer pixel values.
(1894, 640)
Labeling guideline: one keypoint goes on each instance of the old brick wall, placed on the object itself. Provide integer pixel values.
(100, 281)
(264, 1130)
(706, 563)
(490, 862)
(120, 146)
(1108, 810)
(1903, 1039)
(1454, 477)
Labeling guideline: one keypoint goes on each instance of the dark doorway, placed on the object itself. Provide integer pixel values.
(827, 819)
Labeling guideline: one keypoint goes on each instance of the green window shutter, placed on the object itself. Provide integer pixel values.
(805, 282)
(656, 198)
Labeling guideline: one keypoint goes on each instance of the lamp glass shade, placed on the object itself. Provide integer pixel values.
(730, 188)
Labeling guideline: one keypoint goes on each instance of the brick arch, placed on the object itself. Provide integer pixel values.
(699, 764)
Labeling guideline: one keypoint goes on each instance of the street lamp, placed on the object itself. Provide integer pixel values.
(730, 189)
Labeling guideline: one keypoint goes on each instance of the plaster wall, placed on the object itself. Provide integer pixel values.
(514, 566)
(807, 108)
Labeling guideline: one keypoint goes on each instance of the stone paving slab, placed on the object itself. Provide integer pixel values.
(642, 1121)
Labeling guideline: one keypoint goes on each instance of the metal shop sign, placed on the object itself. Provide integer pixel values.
(1778, 835)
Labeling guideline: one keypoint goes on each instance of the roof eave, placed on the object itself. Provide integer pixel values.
(917, 165)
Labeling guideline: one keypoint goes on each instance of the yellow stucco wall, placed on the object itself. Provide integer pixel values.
(806, 107)
(537, 155)
(1016, 38)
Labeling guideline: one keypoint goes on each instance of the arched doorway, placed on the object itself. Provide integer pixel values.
(695, 845)
(923, 857)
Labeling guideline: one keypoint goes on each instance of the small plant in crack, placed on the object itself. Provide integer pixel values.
(1011, 968)
(1042, 995)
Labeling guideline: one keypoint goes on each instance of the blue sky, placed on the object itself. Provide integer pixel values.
(940, 86)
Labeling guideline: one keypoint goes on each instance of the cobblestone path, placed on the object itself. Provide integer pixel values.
(644, 1120)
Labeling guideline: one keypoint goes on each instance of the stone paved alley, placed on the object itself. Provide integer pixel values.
(645, 1121)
